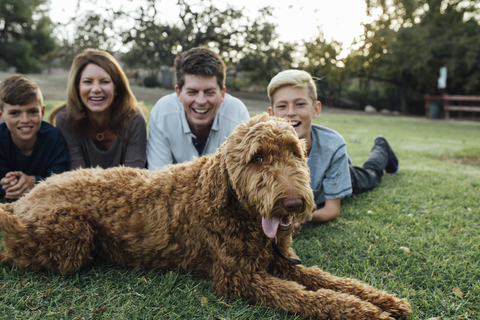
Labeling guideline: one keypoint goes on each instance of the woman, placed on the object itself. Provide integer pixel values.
(101, 120)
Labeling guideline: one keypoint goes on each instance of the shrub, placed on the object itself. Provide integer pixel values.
(151, 81)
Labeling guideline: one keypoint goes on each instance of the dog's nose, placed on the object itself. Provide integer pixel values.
(292, 204)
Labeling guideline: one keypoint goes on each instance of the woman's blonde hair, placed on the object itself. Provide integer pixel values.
(124, 104)
(294, 78)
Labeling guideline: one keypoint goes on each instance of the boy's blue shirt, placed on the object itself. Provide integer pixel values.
(49, 154)
(328, 163)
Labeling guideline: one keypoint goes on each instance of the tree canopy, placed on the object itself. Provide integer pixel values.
(393, 65)
(247, 43)
(25, 35)
(154, 43)
(410, 41)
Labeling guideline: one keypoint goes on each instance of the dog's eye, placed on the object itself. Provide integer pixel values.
(257, 160)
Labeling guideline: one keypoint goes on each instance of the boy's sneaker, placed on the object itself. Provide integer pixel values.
(392, 164)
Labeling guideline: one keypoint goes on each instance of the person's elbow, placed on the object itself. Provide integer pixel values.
(336, 212)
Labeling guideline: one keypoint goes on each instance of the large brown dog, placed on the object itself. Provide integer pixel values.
(217, 214)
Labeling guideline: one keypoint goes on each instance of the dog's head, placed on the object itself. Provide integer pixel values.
(266, 164)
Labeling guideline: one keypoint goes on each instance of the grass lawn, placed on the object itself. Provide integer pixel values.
(416, 235)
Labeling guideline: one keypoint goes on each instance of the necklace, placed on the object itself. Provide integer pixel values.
(101, 135)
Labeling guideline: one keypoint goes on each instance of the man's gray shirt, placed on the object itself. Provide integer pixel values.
(170, 137)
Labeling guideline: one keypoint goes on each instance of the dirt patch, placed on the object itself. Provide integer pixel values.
(469, 161)
(468, 156)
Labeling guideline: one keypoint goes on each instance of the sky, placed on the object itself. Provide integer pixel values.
(303, 20)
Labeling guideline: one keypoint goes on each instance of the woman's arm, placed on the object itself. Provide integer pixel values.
(75, 152)
(136, 150)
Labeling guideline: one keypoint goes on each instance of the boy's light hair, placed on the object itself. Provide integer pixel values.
(19, 90)
(294, 78)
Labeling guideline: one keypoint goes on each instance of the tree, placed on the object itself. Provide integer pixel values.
(263, 64)
(262, 55)
(151, 43)
(155, 43)
(411, 40)
(24, 40)
(91, 30)
(322, 60)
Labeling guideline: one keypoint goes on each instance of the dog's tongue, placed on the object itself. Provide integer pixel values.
(270, 226)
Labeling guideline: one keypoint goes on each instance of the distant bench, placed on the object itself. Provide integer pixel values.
(453, 103)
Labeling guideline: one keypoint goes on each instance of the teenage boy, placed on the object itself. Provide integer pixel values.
(30, 149)
(293, 96)
(196, 119)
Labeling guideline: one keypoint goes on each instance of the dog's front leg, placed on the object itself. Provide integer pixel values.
(266, 290)
(314, 279)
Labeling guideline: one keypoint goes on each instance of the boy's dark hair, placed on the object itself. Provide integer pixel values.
(18, 90)
(202, 62)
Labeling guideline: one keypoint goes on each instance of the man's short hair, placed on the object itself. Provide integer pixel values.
(202, 62)
(18, 90)
(293, 78)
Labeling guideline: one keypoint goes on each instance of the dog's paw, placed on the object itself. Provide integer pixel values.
(385, 316)
(400, 309)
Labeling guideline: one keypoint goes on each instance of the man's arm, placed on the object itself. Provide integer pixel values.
(235, 109)
(244, 115)
(159, 153)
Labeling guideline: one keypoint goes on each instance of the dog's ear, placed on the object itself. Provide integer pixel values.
(215, 180)
(263, 117)
(303, 144)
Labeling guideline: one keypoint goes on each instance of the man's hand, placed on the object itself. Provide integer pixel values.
(16, 184)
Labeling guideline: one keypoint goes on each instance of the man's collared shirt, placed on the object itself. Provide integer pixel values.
(170, 137)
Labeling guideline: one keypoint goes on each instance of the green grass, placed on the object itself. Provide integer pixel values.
(416, 235)
(49, 105)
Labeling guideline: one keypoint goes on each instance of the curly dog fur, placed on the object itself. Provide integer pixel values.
(212, 215)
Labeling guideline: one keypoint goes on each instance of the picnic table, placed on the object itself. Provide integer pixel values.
(453, 103)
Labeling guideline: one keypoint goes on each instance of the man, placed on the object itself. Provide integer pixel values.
(196, 119)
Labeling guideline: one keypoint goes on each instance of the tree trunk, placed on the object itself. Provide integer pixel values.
(403, 87)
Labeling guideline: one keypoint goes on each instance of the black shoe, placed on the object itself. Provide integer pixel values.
(392, 164)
